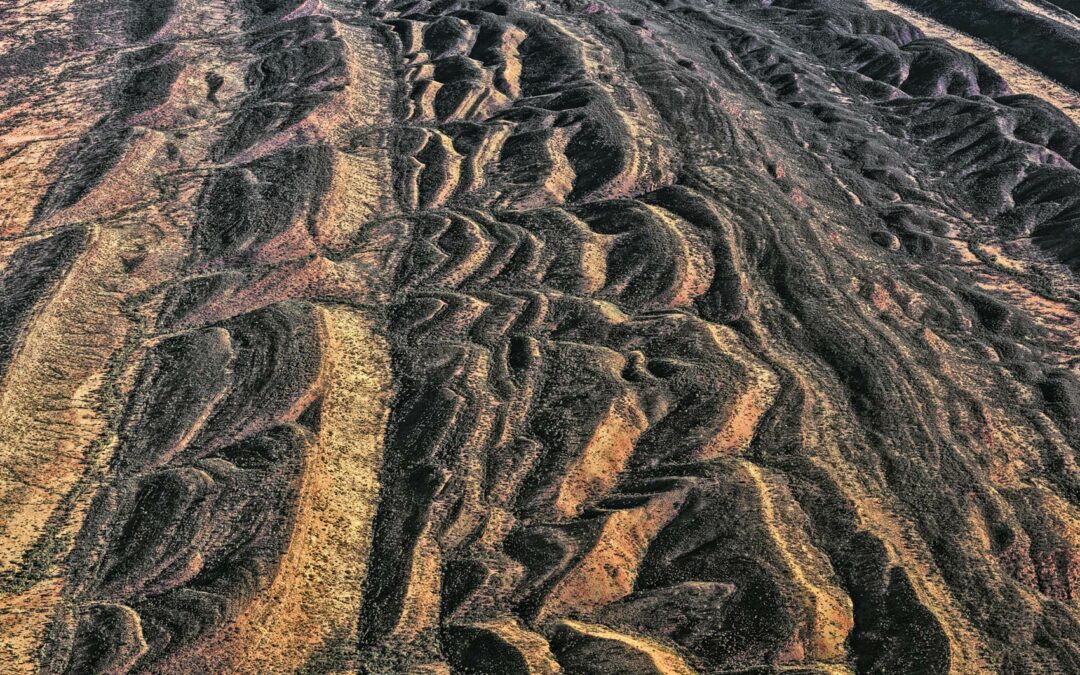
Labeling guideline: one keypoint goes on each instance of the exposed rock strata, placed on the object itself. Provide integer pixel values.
(492, 337)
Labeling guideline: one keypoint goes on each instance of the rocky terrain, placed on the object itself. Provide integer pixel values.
(523, 336)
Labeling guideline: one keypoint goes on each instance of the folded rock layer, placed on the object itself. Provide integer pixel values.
(507, 336)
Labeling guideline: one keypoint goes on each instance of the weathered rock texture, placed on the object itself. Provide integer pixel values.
(504, 336)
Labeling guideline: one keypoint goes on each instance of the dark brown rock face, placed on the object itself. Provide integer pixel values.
(502, 336)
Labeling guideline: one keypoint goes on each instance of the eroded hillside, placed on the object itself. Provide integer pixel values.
(502, 336)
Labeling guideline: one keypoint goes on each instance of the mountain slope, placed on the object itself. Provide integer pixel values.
(500, 337)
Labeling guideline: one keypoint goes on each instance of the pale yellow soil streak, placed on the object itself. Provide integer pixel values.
(202, 20)
(463, 266)
(451, 169)
(999, 257)
(821, 426)
(49, 415)
(511, 69)
(1057, 317)
(752, 402)
(594, 267)
(908, 550)
(129, 184)
(533, 648)
(1054, 14)
(558, 183)
(1021, 78)
(422, 102)
(357, 195)
(603, 457)
(420, 609)
(607, 573)
(43, 123)
(487, 156)
(647, 151)
(831, 613)
(889, 521)
(696, 267)
(24, 177)
(474, 510)
(664, 660)
(52, 424)
(311, 608)
(314, 601)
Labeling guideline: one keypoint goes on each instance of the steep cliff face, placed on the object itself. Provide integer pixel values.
(533, 337)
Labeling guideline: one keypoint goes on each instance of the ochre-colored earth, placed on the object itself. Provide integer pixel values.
(511, 336)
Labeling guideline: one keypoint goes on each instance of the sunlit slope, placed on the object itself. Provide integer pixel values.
(514, 337)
